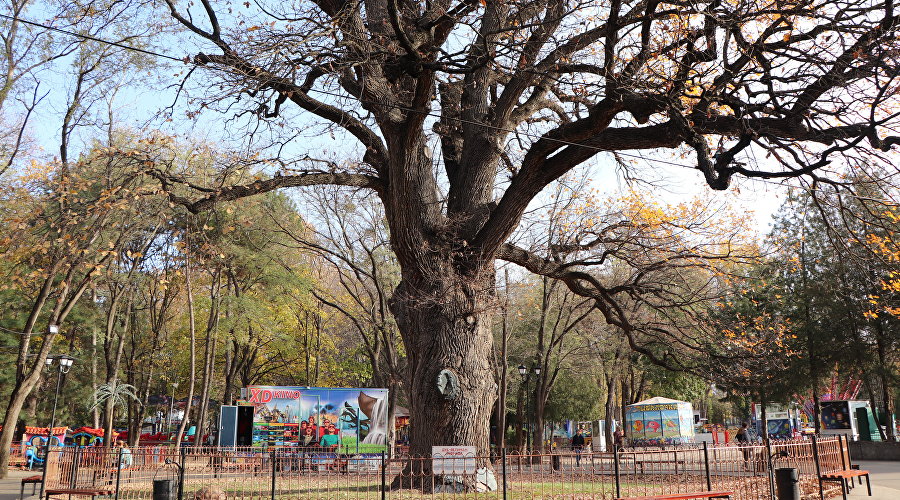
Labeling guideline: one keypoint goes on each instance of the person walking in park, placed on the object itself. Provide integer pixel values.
(578, 446)
(743, 440)
(619, 438)
(125, 454)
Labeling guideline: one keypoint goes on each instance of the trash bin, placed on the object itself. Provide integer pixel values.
(556, 461)
(164, 489)
(787, 484)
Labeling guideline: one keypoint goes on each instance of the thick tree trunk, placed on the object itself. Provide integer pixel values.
(609, 428)
(17, 400)
(444, 323)
(884, 371)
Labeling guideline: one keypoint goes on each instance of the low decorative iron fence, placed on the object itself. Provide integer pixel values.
(314, 473)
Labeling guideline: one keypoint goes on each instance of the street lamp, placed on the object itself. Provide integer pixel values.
(65, 364)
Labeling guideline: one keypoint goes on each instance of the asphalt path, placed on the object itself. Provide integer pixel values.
(9, 487)
(885, 481)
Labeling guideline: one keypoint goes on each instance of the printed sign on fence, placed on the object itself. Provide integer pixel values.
(453, 459)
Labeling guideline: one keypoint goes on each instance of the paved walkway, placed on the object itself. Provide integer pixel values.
(9, 487)
(885, 481)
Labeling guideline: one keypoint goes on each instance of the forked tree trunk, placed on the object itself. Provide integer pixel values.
(444, 321)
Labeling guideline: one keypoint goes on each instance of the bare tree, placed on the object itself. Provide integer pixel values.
(517, 94)
(350, 235)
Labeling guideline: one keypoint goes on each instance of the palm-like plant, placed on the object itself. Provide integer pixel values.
(119, 393)
(112, 395)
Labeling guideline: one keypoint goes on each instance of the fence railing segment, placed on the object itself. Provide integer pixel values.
(296, 473)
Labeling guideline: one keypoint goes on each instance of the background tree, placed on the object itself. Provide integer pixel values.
(61, 238)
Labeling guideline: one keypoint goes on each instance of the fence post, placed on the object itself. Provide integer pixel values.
(706, 465)
(383, 477)
(770, 469)
(503, 467)
(118, 473)
(74, 479)
(815, 447)
(616, 465)
(273, 474)
(181, 474)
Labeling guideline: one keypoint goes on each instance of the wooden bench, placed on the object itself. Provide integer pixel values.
(33, 481)
(845, 477)
(683, 496)
(79, 492)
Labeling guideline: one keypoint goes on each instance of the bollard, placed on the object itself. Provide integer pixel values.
(163, 489)
(787, 483)
(556, 461)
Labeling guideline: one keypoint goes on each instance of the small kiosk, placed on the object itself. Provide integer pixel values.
(850, 418)
(782, 420)
(659, 422)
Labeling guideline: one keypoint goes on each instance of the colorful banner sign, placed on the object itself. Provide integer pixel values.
(342, 419)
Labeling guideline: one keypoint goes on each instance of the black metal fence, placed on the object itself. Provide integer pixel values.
(293, 473)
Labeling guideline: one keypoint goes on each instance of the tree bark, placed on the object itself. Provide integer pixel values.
(520, 418)
(884, 371)
(609, 428)
(444, 324)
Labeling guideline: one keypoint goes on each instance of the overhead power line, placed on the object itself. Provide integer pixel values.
(89, 37)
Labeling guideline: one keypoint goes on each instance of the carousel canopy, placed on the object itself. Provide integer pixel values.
(657, 401)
